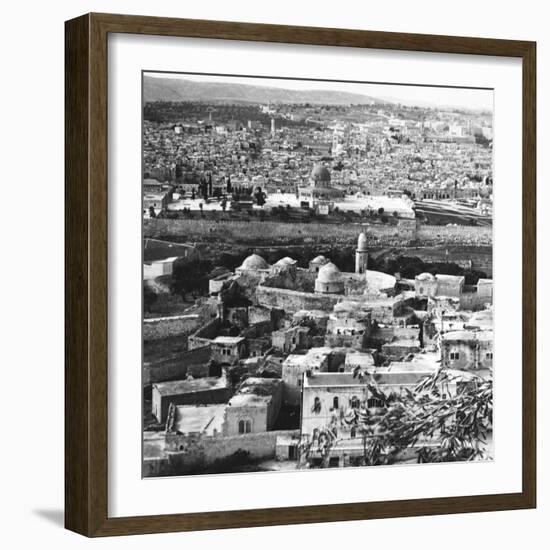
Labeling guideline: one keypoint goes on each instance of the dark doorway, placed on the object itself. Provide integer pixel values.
(292, 452)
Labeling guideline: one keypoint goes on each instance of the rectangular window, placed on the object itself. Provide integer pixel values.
(454, 355)
(489, 355)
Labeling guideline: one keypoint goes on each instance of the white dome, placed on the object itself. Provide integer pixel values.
(254, 262)
(425, 277)
(319, 260)
(285, 261)
(329, 273)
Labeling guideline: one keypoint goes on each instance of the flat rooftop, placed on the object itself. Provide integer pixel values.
(255, 392)
(359, 358)
(178, 387)
(465, 335)
(228, 340)
(450, 278)
(313, 357)
(207, 419)
(379, 376)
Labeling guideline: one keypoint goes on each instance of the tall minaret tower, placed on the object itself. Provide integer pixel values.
(361, 254)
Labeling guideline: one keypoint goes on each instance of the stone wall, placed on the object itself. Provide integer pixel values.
(204, 334)
(292, 301)
(163, 327)
(176, 366)
(192, 453)
(157, 466)
(474, 300)
(272, 231)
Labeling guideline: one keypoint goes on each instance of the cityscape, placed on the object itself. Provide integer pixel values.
(317, 274)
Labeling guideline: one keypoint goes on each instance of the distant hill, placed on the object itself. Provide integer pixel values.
(176, 89)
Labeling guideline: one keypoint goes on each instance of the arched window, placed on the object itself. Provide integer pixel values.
(352, 432)
(335, 403)
(354, 402)
(245, 426)
(316, 406)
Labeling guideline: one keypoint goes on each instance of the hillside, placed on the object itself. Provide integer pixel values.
(176, 89)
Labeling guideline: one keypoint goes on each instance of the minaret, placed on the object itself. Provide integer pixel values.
(272, 127)
(361, 254)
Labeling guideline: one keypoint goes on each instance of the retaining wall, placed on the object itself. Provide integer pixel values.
(163, 327)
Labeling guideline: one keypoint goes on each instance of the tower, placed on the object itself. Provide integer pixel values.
(272, 127)
(361, 254)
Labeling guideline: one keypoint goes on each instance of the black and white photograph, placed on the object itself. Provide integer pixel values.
(317, 274)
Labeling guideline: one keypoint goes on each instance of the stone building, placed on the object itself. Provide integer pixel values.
(317, 263)
(348, 325)
(320, 195)
(429, 286)
(467, 349)
(291, 338)
(253, 264)
(294, 367)
(228, 349)
(330, 401)
(201, 391)
(329, 280)
(254, 408)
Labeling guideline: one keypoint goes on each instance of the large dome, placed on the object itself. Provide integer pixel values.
(254, 262)
(329, 273)
(320, 175)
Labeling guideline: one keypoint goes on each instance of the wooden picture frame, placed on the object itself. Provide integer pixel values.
(86, 280)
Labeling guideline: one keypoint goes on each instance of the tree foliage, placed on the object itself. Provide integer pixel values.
(190, 277)
(429, 422)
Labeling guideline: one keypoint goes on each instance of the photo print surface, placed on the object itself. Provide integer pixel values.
(317, 274)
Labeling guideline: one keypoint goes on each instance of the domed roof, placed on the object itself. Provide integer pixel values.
(362, 242)
(254, 262)
(329, 273)
(347, 307)
(285, 261)
(320, 174)
(319, 260)
(425, 277)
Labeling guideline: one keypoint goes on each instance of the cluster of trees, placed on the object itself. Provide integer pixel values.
(176, 111)
(190, 277)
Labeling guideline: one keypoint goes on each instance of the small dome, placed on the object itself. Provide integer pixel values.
(425, 277)
(254, 262)
(347, 307)
(319, 260)
(283, 262)
(329, 273)
(320, 174)
(362, 242)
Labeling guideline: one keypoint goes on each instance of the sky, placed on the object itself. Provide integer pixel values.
(427, 96)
